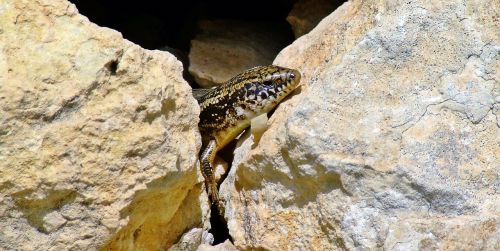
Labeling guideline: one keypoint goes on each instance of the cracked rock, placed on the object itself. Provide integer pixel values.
(390, 143)
(98, 137)
(53, 221)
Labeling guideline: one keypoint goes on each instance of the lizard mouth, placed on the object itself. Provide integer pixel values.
(292, 80)
(294, 77)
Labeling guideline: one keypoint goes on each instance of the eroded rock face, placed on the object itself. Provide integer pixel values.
(392, 141)
(225, 246)
(98, 137)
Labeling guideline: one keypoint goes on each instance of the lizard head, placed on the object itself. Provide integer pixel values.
(268, 86)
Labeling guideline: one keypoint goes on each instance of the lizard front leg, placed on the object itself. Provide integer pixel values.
(207, 169)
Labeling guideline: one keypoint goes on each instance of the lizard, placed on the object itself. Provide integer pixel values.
(228, 109)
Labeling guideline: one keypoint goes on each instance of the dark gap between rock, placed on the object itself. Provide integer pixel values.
(171, 27)
(219, 228)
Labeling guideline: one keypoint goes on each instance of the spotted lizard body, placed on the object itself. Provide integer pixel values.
(230, 108)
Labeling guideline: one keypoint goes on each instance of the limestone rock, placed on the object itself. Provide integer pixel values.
(226, 48)
(392, 142)
(225, 246)
(191, 240)
(306, 14)
(98, 137)
(183, 57)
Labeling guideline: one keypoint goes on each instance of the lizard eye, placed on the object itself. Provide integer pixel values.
(292, 76)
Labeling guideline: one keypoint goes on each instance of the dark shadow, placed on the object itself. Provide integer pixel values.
(154, 24)
(219, 228)
(218, 224)
(305, 188)
(170, 27)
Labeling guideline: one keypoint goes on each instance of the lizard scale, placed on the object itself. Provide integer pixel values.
(228, 109)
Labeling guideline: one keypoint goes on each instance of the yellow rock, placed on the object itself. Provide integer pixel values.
(98, 137)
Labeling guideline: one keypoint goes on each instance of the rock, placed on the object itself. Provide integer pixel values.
(220, 168)
(53, 221)
(183, 57)
(433, 233)
(225, 246)
(226, 48)
(306, 14)
(191, 240)
(98, 137)
(392, 141)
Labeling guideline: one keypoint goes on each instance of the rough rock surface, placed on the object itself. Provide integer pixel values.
(392, 143)
(226, 48)
(306, 14)
(192, 240)
(225, 246)
(98, 137)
